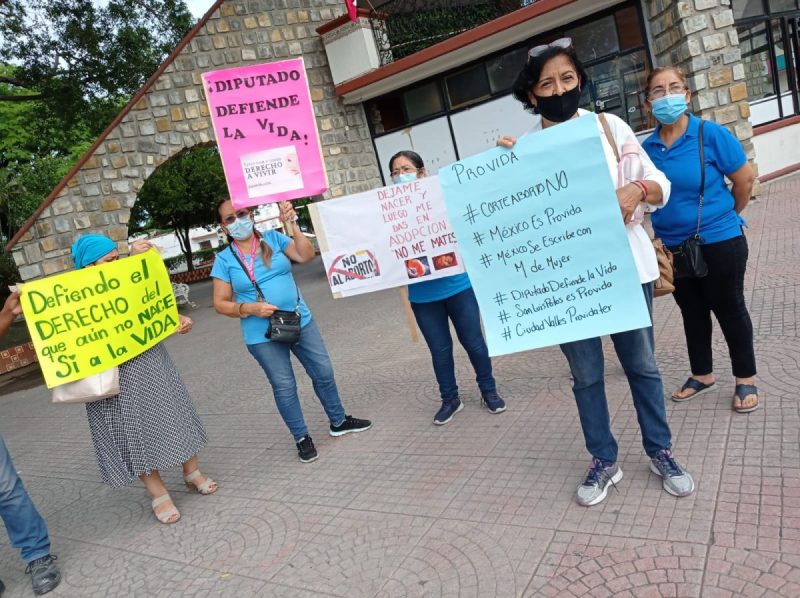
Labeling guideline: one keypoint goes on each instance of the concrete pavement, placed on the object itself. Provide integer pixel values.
(481, 507)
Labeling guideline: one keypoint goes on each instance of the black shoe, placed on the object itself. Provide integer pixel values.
(306, 450)
(350, 424)
(493, 401)
(447, 411)
(45, 575)
(2, 587)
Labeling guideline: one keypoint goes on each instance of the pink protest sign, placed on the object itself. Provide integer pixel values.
(266, 132)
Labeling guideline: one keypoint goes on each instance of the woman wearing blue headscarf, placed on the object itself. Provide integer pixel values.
(151, 424)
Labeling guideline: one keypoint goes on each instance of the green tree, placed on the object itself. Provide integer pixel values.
(82, 61)
(180, 195)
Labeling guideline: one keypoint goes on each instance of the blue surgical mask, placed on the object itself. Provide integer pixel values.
(241, 228)
(670, 108)
(406, 177)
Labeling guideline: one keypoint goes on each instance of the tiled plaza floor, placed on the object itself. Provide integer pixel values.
(479, 508)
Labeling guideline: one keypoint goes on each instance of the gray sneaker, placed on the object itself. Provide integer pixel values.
(674, 478)
(595, 486)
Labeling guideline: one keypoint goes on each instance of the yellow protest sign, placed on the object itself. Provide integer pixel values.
(90, 320)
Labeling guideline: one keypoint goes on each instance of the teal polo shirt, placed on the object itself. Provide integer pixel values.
(677, 220)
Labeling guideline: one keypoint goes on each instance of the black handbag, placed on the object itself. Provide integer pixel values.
(687, 258)
(283, 325)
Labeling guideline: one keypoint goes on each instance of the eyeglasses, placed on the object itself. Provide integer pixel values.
(231, 218)
(404, 170)
(565, 43)
(659, 92)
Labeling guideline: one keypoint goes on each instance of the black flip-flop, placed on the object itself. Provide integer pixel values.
(740, 394)
(695, 385)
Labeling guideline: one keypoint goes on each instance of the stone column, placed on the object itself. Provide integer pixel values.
(699, 36)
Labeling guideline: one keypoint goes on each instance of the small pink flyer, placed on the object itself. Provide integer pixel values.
(266, 132)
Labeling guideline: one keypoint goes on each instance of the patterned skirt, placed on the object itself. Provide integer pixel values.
(150, 425)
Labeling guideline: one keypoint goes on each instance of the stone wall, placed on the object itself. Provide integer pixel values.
(173, 116)
(700, 37)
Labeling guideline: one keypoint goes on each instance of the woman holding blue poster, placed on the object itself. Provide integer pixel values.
(550, 86)
(703, 206)
(435, 304)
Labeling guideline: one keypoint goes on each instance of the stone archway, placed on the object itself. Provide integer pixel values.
(169, 115)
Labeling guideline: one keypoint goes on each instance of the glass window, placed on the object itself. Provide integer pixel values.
(629, 28)
(595, 40)
(386, 113)
(747, 8)
(782, 5)
(468, 86)
(423, 101)
(758, 72)
(504, 69)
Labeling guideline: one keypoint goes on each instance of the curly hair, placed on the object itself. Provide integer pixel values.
(530, 74)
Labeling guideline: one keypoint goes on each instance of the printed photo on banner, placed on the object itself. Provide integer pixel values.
(353, 268)
(384, 238)
(266, 132)
(87, 321)
(543, 240)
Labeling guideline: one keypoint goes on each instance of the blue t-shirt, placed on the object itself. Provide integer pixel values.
(275, 281)
(438, 289)
(677, 221)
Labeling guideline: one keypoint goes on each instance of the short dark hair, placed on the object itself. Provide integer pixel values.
(530, 74)
(413, 157)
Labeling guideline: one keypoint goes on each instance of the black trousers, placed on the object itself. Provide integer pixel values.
(721, 292)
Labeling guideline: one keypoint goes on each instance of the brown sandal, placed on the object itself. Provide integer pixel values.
(207, 487)
(740, 396)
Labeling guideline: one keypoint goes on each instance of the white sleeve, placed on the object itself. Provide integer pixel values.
(624, 134)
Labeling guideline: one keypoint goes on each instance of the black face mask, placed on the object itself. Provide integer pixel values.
(557, 109)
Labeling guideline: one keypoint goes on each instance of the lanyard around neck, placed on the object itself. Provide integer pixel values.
(249, 266)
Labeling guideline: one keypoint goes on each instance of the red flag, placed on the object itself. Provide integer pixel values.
(352, 9)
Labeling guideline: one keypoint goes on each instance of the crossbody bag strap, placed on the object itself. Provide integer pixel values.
(702, 177)
(259, 294)
(612, 142)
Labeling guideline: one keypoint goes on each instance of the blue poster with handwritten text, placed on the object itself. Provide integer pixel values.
(542, 238)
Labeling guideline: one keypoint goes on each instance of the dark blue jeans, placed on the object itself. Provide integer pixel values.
(311, 352)
(432, 319)
(25, 527)
(635, 350)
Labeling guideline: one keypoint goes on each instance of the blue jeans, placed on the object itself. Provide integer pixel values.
(311, 352)
(432, 319)
(25, 527)
(635, 350)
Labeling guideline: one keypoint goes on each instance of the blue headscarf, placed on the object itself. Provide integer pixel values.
(90, 248)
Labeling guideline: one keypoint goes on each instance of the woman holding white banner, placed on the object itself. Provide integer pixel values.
(550, 86)
(151, 425)
(252, 281)
(435, 304)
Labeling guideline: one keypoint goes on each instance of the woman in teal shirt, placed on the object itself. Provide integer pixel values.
(674, 149)
(438, 302)
(253, 264)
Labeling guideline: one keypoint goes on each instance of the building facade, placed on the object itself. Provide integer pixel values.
(393, 80)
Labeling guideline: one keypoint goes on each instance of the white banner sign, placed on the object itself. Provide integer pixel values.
(384, 238)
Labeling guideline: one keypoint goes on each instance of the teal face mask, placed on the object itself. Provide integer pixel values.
(670, 108)
(406, 177)
(241, 228)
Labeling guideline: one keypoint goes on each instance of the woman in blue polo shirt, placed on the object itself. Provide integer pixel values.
(252, 279)
(438, 302)
(675, 150)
